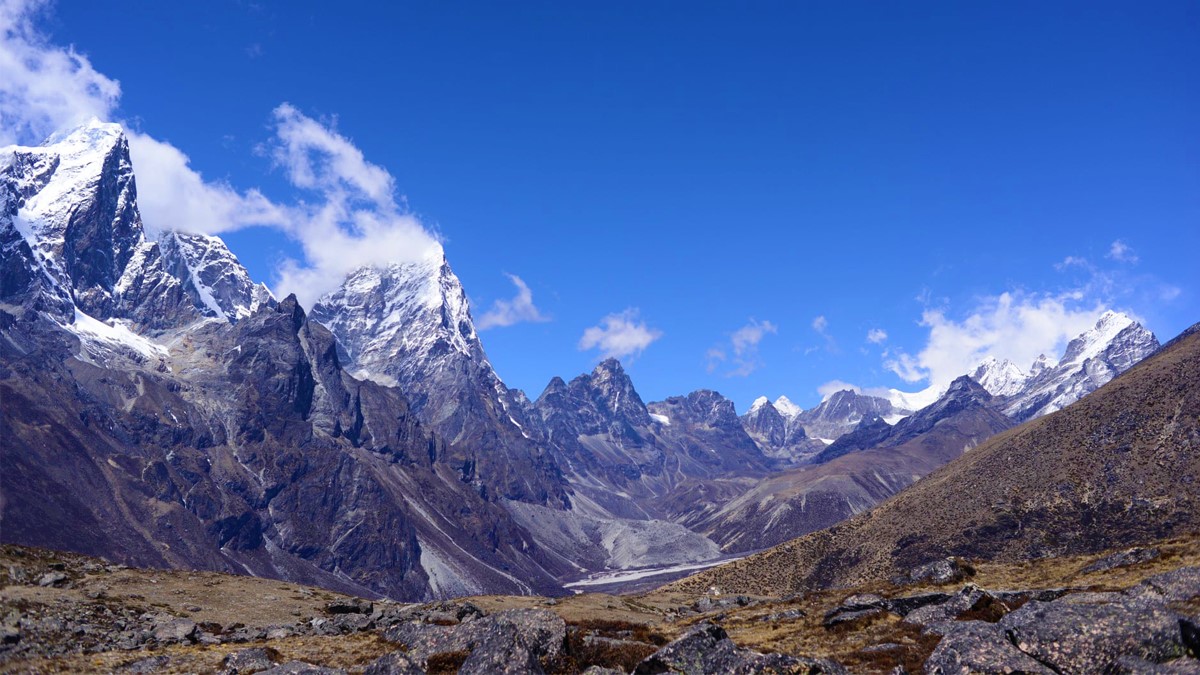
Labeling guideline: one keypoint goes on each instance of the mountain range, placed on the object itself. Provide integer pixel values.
(163, 409)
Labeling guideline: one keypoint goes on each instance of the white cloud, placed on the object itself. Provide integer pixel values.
(356, 220)
(877, 336)
(834, 386)
(820, 323)
(44, 88)
(1014, 326)
(1121, 252)
(743, 343)
(173, 196)
(619, 335)
(508, 312)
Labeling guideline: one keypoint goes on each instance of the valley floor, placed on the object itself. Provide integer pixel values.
(67, 613)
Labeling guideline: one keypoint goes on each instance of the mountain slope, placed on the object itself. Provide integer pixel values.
(1117, 468)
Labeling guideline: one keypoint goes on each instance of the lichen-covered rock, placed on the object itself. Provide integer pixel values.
(950, 609)
(1089, 632)
(520, 636)
(396, 663)
(252, 660)
(980, 647)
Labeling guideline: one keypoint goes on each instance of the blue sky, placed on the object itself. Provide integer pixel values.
(760, 187)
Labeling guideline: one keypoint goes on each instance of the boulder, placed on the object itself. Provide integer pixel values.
(1133, 556)
(707, 650)
(349, 606)
(1089, 632)
(980, 647)
(252, 660)
(396, 663)
(175, 630)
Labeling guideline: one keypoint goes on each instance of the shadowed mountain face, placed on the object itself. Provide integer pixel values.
(264, 457)
(1120, 467)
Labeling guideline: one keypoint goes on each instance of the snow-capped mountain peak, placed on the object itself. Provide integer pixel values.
(1093, 342)
(403, 308)
(787, 408)
(1041, 363)
(212, 275)
(74, 201)
(1113, 345)
(999, 378)
(758, 403)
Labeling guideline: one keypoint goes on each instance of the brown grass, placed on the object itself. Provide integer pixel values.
(446, 663)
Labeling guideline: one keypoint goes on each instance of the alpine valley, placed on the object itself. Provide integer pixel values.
(162, 410)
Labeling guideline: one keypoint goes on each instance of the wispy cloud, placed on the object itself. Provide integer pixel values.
(1121, 252)
(877, 336)
(821, 326)
(517, 310)
(620, 335)
(1071, 261)
(743, 349)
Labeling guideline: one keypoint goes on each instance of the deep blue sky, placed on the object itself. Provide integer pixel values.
(712, 163)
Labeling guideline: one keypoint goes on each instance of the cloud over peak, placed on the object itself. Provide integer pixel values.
(1014, 326)
(620, 335)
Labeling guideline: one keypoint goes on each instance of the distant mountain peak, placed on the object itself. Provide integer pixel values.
(1113, 345)
(786, 407)
(1000, 378)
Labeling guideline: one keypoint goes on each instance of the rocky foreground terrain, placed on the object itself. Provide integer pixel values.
(1126, 611)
